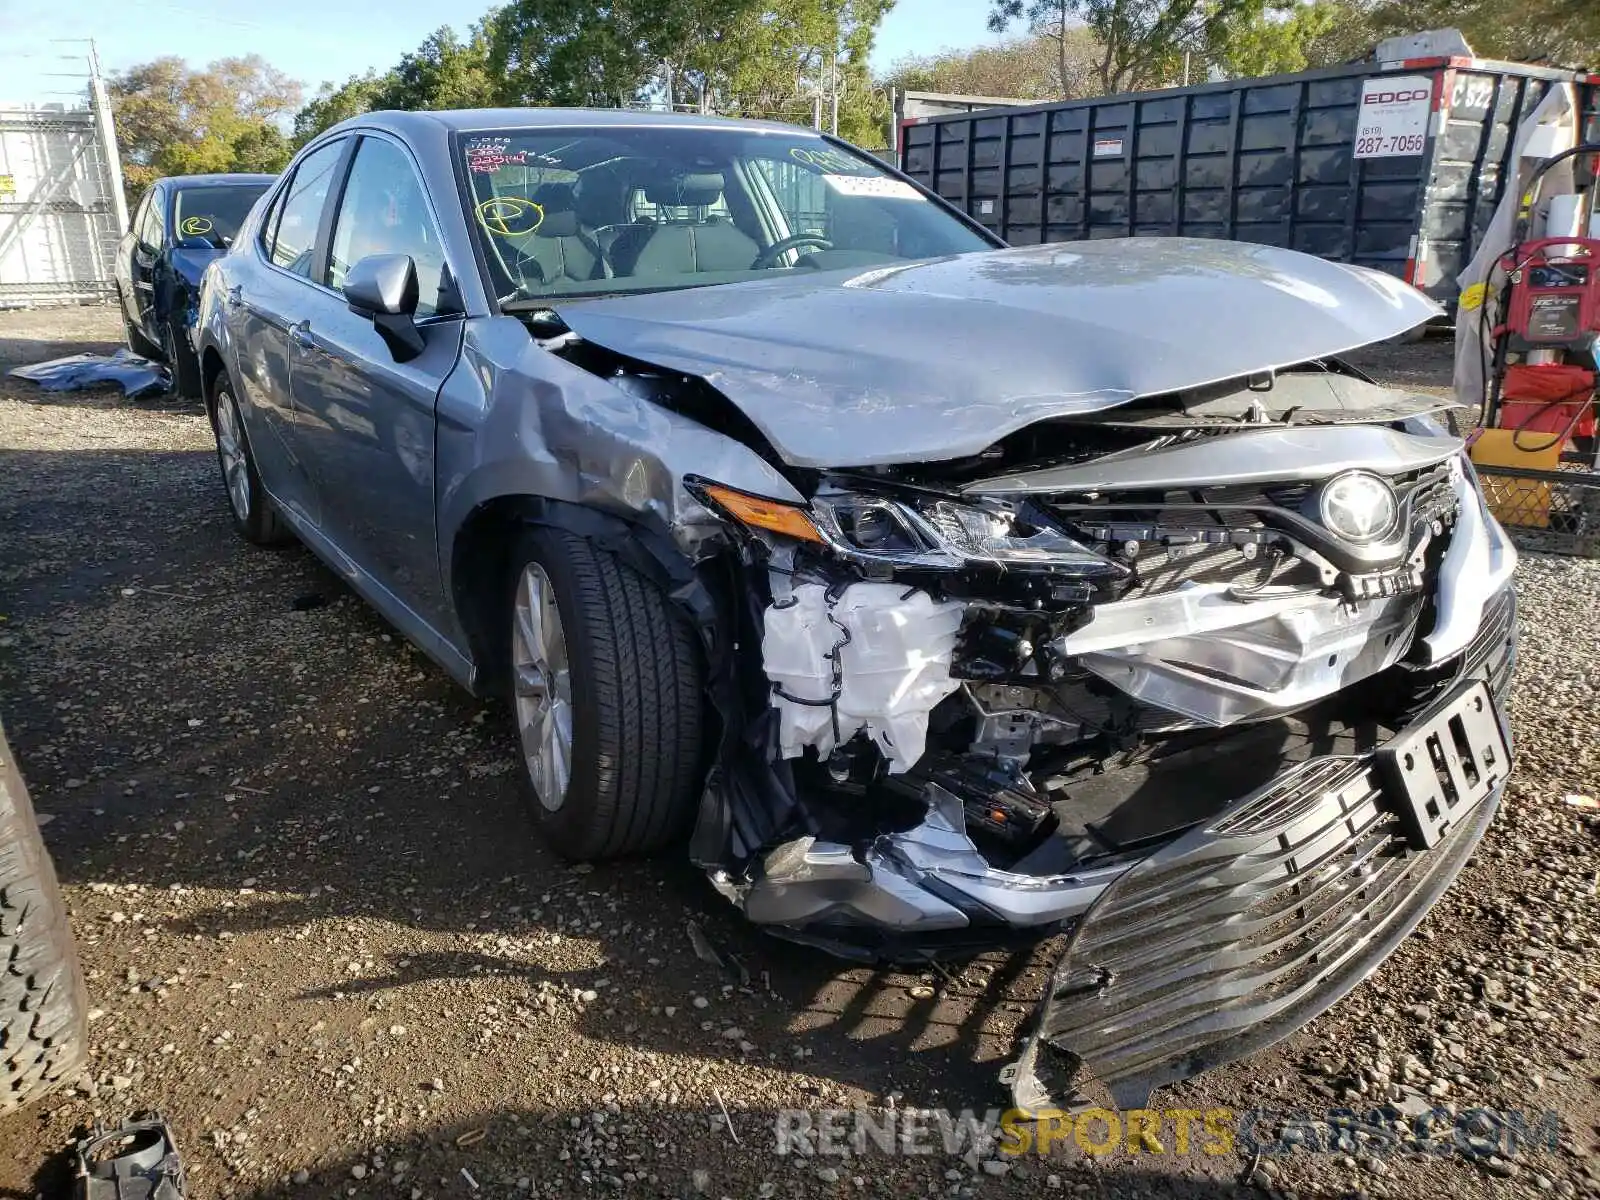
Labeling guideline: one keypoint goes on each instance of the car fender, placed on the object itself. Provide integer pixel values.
(517, 421)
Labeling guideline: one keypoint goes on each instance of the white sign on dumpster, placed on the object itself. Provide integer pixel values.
(1394, 115)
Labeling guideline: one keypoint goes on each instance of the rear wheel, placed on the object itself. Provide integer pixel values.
(42, 1003)
(606, 690)
(253, 515)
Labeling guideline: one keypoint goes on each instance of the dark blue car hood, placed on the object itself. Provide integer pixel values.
(191, 264)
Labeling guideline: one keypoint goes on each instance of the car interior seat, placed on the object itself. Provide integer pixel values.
(688, 245)
(559, 248)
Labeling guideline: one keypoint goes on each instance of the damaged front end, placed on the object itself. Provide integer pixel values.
(1211, 682)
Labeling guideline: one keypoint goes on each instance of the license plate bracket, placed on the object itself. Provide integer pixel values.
(1437, 770)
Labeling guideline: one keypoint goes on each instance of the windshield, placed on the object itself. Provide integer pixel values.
(575, 212)
(213, 214)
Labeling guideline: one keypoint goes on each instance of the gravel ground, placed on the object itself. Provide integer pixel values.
(322, 935)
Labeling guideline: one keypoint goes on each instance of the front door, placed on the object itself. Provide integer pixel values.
(366, 422)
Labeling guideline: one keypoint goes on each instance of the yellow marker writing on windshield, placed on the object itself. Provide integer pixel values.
(195, 227)
(510, 216)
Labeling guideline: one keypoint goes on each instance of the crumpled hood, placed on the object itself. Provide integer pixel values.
(938, 359)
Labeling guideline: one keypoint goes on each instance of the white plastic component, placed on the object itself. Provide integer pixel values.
(894, 651)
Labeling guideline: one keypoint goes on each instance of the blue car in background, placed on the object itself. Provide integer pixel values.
(181, 224)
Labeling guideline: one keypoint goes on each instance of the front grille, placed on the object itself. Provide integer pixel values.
(1237, 933)
(1231, 535)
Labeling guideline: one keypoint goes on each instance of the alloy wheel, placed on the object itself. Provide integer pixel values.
(230, 447)
(542, 680)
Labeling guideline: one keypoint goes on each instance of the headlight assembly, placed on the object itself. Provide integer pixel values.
(929, 533)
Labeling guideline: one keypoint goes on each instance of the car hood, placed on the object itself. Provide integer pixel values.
(938, 359)
(191, 264)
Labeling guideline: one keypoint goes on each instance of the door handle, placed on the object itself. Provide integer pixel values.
(300, 335)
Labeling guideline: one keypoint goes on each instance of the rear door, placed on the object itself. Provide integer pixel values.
(366, 422)
(266, 297)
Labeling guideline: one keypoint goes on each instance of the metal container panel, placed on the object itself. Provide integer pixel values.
(1270, 160)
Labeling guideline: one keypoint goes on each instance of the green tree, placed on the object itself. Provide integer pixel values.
(174, 120)
(444, 72)
(569, 52)
(1563, 32)
(1280, 39)
(332, 104)
(1026, 68)
(1142, 42)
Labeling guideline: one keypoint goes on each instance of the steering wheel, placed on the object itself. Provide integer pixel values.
(769, 256)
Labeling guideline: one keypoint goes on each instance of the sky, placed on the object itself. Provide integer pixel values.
(317, 40)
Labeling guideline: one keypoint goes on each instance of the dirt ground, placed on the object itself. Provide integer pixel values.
(322, 935)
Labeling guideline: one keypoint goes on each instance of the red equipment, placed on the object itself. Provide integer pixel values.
(1547, 340)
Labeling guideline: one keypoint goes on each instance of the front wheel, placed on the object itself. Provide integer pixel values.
(606, 685)
(253, 514)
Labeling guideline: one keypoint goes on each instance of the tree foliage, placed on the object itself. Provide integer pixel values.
(1563, 32)
(1024, 68)
(172, 119)
(1142, 43)
(737, 57)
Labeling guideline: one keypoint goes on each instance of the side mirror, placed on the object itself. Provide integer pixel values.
(384, 288)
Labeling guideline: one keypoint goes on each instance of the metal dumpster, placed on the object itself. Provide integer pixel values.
(1395, 165)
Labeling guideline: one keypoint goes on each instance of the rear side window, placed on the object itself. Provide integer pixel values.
(291, 238)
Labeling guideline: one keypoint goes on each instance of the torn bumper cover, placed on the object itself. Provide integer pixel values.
(1241, 931)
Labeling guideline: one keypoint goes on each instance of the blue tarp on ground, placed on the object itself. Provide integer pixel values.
(138, 376)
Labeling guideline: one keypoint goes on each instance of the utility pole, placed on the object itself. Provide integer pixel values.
(834, 120)
(667, 68)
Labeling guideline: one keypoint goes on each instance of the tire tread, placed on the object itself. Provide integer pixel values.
(643, 677)
(43, 1006)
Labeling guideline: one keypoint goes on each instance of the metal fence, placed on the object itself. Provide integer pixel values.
(61, 204)
(1557, 512)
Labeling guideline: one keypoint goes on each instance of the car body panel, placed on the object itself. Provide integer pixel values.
(940, 359)
(364, 427)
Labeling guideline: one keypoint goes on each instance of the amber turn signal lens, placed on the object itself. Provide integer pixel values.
(771, 515)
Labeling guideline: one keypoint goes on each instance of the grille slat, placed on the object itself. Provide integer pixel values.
(1244, 929)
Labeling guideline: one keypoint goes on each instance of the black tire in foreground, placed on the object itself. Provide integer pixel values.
(253, 514)
(43, 1033)
(635, 672)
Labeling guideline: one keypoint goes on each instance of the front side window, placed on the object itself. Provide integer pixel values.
(213, 214)
(292, 240)
(582, 212)
(384, 211)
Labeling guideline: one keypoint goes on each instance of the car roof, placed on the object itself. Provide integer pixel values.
(217, 180)
(467, 120)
